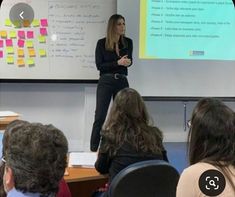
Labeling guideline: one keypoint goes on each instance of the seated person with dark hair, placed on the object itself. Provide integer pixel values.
(211, 149)
(35, 160)
(128, 136)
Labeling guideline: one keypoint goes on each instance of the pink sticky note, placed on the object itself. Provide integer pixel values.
(9, 43)
(20, 43)
(1, 43)
(44, 22)
(1, 54)
(30, 34)
(21, 34)
(43, 31)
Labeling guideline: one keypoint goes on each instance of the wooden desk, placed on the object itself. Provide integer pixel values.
(83, 182)
(4, 121)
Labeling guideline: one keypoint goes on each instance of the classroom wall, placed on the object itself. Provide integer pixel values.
(70, 107)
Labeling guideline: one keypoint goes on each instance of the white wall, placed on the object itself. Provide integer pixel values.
(60, 104)
(70, 107)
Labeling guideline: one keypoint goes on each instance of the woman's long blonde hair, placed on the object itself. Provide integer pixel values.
(111, 32)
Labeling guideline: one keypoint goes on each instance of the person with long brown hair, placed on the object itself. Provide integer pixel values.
(128, 135)
(211, 146)
(113, 55)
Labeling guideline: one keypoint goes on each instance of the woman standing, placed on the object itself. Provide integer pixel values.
(113, 55)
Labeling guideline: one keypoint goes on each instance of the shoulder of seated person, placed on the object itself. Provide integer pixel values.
(198, 168)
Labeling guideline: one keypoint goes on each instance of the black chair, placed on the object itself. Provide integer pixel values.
(152, 178)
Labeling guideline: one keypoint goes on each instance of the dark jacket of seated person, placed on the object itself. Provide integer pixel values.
(128, 137)
(125, 156)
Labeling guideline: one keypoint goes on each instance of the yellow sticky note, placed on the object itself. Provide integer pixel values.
(29, 44)
(20, 62)
(30, 62)
(20, 52)
(3, 34)
(35, 23)
(42, 53)
(32, 53)
(8, 22)
(42, 39)
(12, 34)
(17, 23)
(10, 50)
(10, 60)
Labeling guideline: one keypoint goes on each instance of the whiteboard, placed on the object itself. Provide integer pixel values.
(74, 26)
(171, 77)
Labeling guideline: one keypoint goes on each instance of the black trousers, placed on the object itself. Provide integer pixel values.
(108, 87)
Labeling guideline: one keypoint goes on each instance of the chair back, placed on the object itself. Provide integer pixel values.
(152, 178)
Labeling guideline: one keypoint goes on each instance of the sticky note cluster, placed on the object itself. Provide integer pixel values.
(21, 46)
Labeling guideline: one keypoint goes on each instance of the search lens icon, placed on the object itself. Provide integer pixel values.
(212, 183)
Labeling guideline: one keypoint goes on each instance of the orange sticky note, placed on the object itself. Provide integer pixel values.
(26, 23)
(20, 52)
(3, 34)
(32, 53)
(20, 62)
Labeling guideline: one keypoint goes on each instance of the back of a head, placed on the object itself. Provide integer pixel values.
(128, 121)
(212, 132)
(37, 156)
(11, 128)
(129, 103)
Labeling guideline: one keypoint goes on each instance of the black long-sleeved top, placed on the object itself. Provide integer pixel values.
(106, 61)
(125, 156)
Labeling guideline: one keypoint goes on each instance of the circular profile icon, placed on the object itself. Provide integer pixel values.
(212, 182)
(21, 15)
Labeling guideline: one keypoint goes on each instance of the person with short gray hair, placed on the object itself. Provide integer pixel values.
(35, 161)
